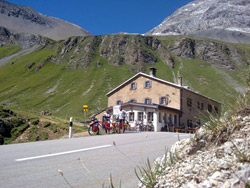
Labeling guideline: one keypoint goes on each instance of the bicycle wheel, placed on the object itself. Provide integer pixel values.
(92, 132)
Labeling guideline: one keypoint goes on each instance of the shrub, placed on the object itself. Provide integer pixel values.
(15, 122)
(44, 136)
(53, 127)
(1, 140)
(33, 134)
(35, 122)
(15, 132)
(46, 124)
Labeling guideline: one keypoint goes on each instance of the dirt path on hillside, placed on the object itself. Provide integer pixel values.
(22, 52)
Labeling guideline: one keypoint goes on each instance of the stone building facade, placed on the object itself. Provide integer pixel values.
(147, 98)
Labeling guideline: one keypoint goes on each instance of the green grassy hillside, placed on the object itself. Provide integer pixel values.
(64, 75)
(8, 50)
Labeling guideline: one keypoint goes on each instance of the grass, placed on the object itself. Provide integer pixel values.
(8, 50)
(147, 174)
(44, 136)
(33, 132)
(62, 91)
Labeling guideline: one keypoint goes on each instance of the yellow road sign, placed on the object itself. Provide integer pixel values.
(85, 107)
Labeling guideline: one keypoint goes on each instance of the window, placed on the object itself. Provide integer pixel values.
(147, 101)
(198, 105)
(148, 84)
(175, 119)
(119, 102)
(133, 100)
(209, 107)
(199, 122)
(133, 86)
(189, 123)
(202, 106)
(189, 102)
(131, 116)
(150, 116)
(140, 116)
(216, 110)
(170, 119)
(160, 120)
(165, 118)
(164, 100)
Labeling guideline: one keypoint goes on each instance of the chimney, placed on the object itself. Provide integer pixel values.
(152, 72)
(180, 81)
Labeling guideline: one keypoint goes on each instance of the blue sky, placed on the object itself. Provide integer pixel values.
(108, 16)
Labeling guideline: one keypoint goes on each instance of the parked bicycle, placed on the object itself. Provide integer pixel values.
(94, 125)
(144, 127)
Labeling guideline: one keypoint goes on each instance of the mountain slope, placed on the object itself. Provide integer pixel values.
(62, 76)
(22, 19)
(226, 20)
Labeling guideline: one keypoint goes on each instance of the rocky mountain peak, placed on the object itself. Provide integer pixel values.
(227, 20)
(23, 19)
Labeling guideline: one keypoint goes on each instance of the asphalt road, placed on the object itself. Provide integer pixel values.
(35, 165)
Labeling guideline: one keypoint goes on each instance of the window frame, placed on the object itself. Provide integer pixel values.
(166, 100)
(147, 84)
(150, 116)
(119, 102)
(160, 117)
(189, 123)
(131, 116)
(216, 109)
(147, 99)
(210, 108)
(133, 86)
(189, 102)
(140, 116)
(202, 106)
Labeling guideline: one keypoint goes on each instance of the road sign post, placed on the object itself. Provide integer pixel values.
(85, 109)
(70, 127)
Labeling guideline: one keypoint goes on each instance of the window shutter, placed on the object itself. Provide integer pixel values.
(150, 101)
(150, 83)
(160, 100)
(144, 84)
(166, 100)
(135, 85)
(131, 86)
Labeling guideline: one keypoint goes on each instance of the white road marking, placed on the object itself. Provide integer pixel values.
(63, 153)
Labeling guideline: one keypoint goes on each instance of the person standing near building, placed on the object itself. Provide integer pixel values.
(106, 121)
(122, 116)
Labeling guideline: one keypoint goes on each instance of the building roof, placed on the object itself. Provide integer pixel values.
(156, 79)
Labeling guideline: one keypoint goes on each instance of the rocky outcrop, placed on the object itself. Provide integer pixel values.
(6, 37)
(208, 160)
(24, 40)
(23, 19)
(80, 52)
(216, 19)
(216, 54)
(137, 51)
(184, 47)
